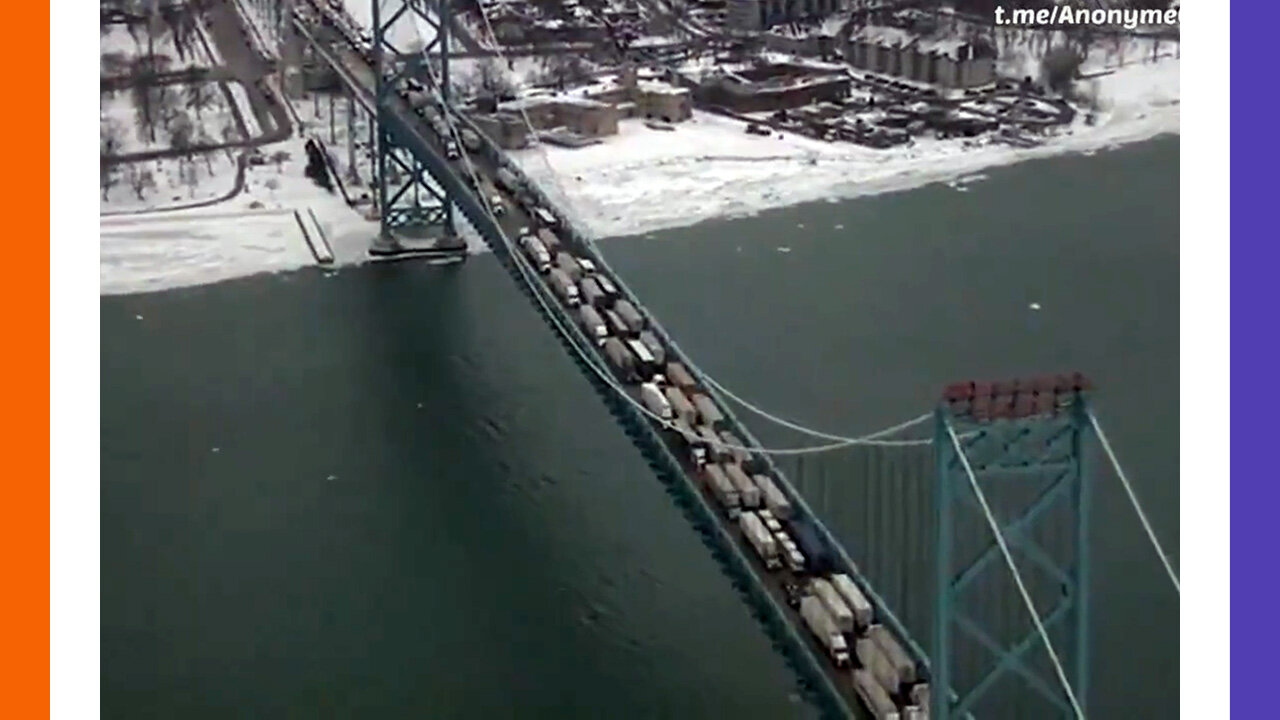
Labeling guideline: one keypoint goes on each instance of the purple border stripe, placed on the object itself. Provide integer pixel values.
(1255, 260)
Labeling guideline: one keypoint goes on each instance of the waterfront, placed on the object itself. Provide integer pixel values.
(389, 493)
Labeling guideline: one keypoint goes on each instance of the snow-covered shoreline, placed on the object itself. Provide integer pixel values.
(639, 181)
(644, 180)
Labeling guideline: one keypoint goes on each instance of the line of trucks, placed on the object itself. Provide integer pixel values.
(831, 606)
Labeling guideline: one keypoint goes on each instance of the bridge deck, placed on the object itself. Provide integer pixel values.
(664, 449)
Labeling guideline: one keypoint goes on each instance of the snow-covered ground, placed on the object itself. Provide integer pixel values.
(643, 180)
(158, 184)
(120, 47)
(638, 181)
(251, 233)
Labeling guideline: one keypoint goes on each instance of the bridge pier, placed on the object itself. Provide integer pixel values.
(415, 213)
(1024, 443)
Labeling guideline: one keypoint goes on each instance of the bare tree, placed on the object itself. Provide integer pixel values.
(200, 96)
(493, 80)
(567, 69)
(230, 133)
(1059, 67)
(107, 175)
(141, 180)
(181, 135)
(112, 137)
(189, 173)
(203, 138)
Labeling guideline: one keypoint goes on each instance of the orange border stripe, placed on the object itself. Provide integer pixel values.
(24, 439)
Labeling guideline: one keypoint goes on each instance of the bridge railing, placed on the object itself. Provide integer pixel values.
(845, 563)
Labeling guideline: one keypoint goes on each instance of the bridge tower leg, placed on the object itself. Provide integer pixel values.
(1024, 441)
(410, 204)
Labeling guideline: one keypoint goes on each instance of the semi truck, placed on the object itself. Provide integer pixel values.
(707, 410)
(902, 662)
(544, 216)
(770, 521)
(470, 140)
(740, 456)
(645, 358)
(592, 324)
(654, 345)
(877, 700)
(536, 252)
(747, 490)
(568, 264)
(680, 377)
(507, 181)
(863, 613)
(681, 405)
(616, 326)
(592, 294)
(629, 315)
(774, 499)
(831, 599)
(820, 624)
(760, 539)
(715, 447)
(656, 402)
(607, 285)
(550, 241)
(723, 490)
(564, 287)
(873, 660)
(621, 359)
(697, 453)
(815, 551)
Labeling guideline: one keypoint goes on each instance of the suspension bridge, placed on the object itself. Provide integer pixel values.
(978, 579)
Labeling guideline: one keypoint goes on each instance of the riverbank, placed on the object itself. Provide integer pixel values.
(643, 180)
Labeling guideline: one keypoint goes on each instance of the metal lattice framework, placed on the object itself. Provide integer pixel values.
(407, 197)
(1025, 445)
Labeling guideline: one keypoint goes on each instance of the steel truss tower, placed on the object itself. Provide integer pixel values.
(409, 202)
(1024, 441)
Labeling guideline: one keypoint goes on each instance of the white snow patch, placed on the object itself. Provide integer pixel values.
(639, 181)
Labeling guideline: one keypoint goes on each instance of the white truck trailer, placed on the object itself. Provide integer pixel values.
(681, 405)
(679, 376)
(840, 612)
(872, 658)
(629, 315)
(760, 539)
(824, 628)
(902, 662)
(774, 499)
(592, 323)
(536, 252)
(707, 409)
(863, 613)
(564, 287)
(747, 490)
(877, 700)
(697, 453)
(656, 402)
(723, 490)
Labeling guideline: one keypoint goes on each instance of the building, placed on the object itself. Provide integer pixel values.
(650, 99)
(773, 87)
(507, 129)
(582, 116)
(757, 15)
(947, 63)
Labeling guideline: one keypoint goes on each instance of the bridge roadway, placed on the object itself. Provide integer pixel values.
(812, 661)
